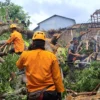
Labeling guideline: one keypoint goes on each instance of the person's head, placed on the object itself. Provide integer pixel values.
(39, 38)
(13, 27)
(92, 38)
(75, 40)
(71, 42)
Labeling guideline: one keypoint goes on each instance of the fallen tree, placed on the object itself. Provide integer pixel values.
(5, 28)
(21, 91)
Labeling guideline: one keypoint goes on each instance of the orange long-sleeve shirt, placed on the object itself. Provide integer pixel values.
(42, 70)
(17, 40)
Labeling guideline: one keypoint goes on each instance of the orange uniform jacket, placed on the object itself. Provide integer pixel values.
(42, 70)
(17, 40)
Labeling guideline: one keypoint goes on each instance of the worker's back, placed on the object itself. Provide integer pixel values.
(18, 41)
(42, 70)
(38, 65)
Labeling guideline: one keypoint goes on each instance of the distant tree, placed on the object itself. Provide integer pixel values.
(15, 11)
(11, 11)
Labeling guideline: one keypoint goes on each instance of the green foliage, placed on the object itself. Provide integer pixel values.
(5, 36)
(15, 11)
(16, 97)
(89, 78)
(85, 79)
(5, 70)
(11, 11)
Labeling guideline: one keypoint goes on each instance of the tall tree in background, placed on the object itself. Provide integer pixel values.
(11, 11)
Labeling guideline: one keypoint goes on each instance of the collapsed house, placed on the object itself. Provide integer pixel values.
(86, 30)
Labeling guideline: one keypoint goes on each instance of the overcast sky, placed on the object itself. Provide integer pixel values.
(80, 10)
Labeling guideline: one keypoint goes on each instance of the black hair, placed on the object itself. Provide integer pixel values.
(30, 46)
(71, 42)
(12, 29)
(37, 44)
(54, 40)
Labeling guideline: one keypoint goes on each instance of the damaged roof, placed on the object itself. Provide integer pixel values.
(55, 16)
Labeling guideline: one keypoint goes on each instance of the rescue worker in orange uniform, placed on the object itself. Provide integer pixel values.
(16, 39)
(42, 70)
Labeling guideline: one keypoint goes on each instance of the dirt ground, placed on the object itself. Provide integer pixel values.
(84, 97)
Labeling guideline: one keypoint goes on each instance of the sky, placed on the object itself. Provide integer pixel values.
(39, 10)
